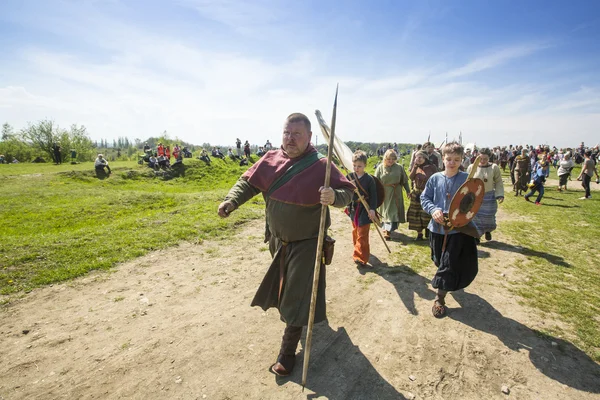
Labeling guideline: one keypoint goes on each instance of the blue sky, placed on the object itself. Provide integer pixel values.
(500, 72)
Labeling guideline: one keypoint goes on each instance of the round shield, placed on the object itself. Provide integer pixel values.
(466, 202)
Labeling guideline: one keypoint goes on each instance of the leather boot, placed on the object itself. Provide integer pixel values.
(287, 354)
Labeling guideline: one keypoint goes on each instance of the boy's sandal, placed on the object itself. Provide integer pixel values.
(439, 309)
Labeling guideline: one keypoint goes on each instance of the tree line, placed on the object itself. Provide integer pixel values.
(37, 141)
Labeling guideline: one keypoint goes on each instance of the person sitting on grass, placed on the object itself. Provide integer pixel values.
(153, 162)
(243, 161)
(216, 152)
(101, 163)
(163, 162)
(204, 157)
(231, 155)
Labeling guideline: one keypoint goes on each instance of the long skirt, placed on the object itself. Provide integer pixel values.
(562, 179)
(485, 219)
(457, 265)
(520, 180)
(416, 217)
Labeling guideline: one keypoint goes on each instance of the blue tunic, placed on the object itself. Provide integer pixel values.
(438, 194)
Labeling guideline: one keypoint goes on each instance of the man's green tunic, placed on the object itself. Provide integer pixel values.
(293, 214)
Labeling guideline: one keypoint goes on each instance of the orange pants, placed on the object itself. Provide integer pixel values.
(360, 239)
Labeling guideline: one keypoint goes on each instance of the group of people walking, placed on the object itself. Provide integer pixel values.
(290, 180)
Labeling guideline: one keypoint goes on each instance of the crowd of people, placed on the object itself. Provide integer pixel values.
(160, 158)
(242, 154)
(294, 198)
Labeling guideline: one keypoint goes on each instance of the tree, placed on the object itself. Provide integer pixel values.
(42, 136)
(81, 143)
(7, 131)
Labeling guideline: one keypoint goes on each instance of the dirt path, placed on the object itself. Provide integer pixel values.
(177, 324)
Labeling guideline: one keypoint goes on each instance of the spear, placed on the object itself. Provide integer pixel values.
(319, 255)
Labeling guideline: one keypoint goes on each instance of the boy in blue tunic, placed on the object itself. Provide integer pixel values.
(453, 252)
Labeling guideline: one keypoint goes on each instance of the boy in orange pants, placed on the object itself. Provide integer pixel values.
(361, 217)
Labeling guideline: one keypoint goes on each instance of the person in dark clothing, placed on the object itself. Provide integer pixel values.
(361, 217)
(56, 149)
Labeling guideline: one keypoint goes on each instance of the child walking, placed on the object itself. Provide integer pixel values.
(538, 178)
(453, 252)
(361, 217)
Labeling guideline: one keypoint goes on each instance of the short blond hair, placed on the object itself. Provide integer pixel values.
(453, 148)
(359, 155)
(390, 154)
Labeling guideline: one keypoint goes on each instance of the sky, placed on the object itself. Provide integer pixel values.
(209, 71)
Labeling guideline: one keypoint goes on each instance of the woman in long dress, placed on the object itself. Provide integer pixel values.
(420, 173)
(393, 177)
(490, 174)
(521, 171)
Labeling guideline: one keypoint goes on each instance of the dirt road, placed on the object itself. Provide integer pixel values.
(177, 324)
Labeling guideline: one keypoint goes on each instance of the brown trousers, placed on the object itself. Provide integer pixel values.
(360, 239)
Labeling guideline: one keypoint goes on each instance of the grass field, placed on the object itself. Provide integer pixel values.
(59, 222)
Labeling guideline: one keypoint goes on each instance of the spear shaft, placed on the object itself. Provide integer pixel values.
(319, 255)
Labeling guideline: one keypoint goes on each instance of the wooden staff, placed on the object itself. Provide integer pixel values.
(319, 256)
(377, 222)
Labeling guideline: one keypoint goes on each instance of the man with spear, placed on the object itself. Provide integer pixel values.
(291, 182)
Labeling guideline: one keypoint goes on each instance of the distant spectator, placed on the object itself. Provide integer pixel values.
(163, 162)
(204, 157)
(588, 170)
(564, 171)
(160, 150)
(238, 146)
(216, 152)
(56, 149)
(268, 146)
(243, 161)
(247, 149)
(153, 162)
(2, 159)
(261, 152)
(100, 164)
(168, 153)
(231, 155)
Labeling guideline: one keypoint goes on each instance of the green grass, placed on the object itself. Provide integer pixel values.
(60, 222)
(562, 258)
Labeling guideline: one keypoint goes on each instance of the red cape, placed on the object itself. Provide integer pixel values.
(303, 188)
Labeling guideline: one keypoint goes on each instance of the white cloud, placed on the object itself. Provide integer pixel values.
(496, 58)
(138, 83)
